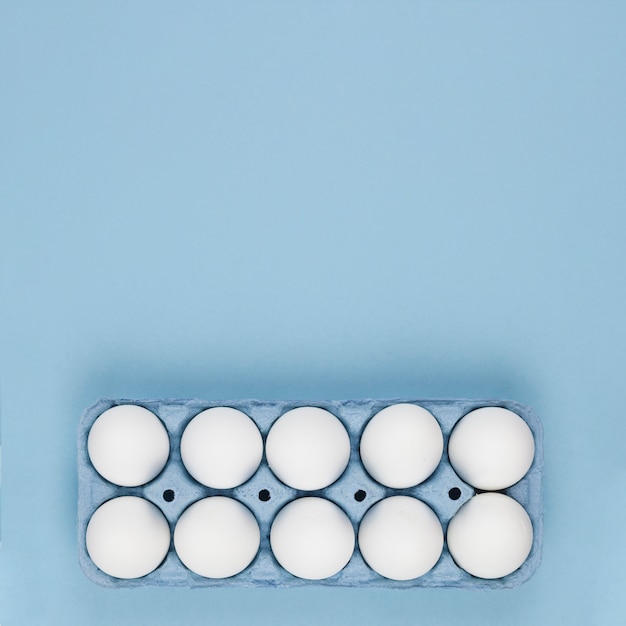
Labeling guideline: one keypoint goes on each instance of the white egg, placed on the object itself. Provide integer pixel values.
(401, 538)
(312, 538)
(217, 537)
(490, 536)
(308, 448)
(221, 447)
(401, 446)
(128, 445)
(491, 448)
(128, 537)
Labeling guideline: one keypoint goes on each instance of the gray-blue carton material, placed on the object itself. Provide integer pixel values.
(264, 571)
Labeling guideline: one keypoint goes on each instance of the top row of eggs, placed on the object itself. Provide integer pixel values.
(308, 448)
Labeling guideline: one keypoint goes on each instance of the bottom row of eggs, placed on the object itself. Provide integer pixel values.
(400, 537)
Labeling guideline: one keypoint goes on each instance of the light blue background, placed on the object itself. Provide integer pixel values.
(313, 200)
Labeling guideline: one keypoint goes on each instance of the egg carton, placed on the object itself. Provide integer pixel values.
(173, 490)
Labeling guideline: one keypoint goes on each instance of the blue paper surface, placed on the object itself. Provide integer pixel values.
(305, 200)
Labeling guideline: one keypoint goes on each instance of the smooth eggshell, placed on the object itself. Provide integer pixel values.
(308, 448)
(221, 447)
(401, 538)
(401, 446)
(128, 445)
(127, 537)
(217, 537)
(491, 448)
(490, 536)
(312, 538)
